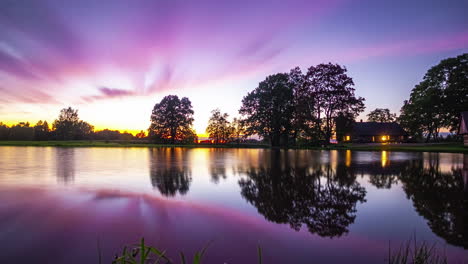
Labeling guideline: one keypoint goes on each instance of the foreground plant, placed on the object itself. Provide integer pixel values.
(413, 253)
(409, 252)
(145, 254)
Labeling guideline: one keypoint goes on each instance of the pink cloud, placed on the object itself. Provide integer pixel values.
(410, 47)
(108, 93)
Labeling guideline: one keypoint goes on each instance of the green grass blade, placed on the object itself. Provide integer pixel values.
(142, 251)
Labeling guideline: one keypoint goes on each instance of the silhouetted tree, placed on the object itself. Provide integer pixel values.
(423, 112)
(68, 126)
(333, 92)
(268, 110)
(437, 101)
(305, 115)
(169, 171)
(4, 131)
(381, 115)
(451, 76)
(321, 198)
(441, 198)
(219, 128)
(126, 136)
(238, 129)
(171, 119)
(41, 130)
(107, 134)
(21, 131)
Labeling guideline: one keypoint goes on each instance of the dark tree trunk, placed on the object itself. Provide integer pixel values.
(275, 140)
(428, 137)
(173, 135)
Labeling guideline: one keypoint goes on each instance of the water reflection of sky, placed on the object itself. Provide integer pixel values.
(239, 197)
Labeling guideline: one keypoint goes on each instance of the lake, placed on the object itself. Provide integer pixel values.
(300, 206)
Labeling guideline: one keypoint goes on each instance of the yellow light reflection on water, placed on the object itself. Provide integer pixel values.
(384, 159)
(348, 158)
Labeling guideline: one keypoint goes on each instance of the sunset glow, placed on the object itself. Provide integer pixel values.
(113, 61)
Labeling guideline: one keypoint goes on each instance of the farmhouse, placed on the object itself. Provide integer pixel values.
(463, 128)
(367, 132)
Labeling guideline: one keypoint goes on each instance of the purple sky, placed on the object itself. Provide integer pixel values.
(113, 60)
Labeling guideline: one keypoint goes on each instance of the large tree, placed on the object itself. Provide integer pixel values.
(423, 113)
(304, 115)
(219, 128)
(381, 115)
(171, 120)
(450, 78)
(333, 92)
(68, 125)
(268, 110)
(437, 101)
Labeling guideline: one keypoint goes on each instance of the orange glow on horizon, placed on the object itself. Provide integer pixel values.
(96, 128)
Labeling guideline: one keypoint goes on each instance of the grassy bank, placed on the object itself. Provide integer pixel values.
(142, 144)
(434, 147)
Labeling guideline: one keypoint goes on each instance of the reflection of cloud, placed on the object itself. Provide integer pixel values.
(101, 195)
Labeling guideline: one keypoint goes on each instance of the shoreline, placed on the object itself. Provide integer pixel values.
(403, 147)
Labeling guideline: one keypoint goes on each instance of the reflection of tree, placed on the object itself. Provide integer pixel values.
(379, 176)
(382, 173)
(217, 164)
(217, 172)
(169, 171)
(441, 198)
(321, 198)
(65, 165)
(383, 181)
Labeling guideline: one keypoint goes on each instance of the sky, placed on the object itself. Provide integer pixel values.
(114, 59)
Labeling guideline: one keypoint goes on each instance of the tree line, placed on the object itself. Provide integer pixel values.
(304, 108)
(282, 109)
(68, 126)
(285, 109)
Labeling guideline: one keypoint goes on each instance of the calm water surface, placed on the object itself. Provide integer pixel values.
(301, 206)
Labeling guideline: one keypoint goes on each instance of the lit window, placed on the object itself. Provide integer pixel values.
(348, 138)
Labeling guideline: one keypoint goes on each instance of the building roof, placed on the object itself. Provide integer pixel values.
(378, 129)
(463, 129)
